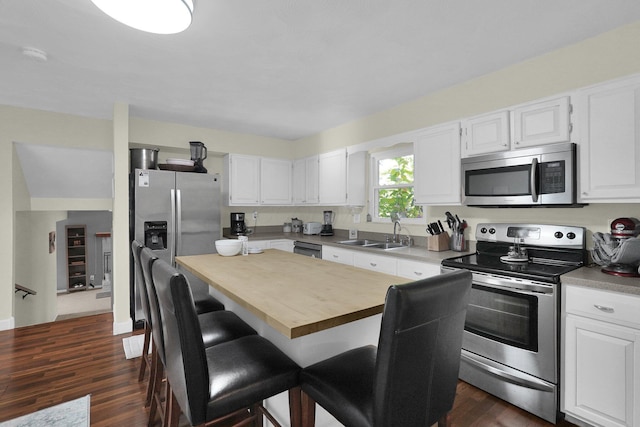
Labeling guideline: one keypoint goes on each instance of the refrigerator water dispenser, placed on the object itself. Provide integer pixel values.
(155, 234)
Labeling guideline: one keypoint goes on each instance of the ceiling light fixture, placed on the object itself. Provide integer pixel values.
(34, 53)
(152, 16)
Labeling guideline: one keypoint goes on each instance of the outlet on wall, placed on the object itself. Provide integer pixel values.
(255, 215)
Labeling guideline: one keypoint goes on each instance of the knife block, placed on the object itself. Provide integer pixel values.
(439, 242)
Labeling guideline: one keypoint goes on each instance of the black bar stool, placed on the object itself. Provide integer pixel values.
(216, 327)
(410, 379)
(227, 381)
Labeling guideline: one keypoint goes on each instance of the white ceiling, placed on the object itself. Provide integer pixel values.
(281, 68)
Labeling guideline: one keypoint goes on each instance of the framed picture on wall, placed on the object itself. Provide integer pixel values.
(52, 242)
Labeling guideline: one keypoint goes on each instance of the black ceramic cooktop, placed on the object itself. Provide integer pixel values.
(546, 265)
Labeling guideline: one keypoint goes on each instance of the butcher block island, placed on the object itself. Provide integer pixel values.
(294, 294)
(311, 309)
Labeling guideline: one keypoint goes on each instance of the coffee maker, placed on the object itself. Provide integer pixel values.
(327, 227)
(238, 227)
(198, 154)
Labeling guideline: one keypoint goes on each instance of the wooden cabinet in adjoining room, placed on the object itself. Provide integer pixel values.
(76, 241)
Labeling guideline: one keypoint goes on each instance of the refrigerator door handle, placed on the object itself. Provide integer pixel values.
(178, 223)
(172, 247)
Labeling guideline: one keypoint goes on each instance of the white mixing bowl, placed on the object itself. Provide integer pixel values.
(228, 247)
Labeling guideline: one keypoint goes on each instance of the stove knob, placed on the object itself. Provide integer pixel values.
(571, 235)
(492, 230)
(483, 230)
(558, 234)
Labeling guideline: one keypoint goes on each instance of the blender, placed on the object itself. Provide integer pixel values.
(327, 227)
(198, 154)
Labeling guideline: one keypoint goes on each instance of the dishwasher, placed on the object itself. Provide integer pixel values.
(308, 249)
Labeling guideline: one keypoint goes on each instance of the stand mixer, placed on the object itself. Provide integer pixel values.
(198, 154)
(619, 252)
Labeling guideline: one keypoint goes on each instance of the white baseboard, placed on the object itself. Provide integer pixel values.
(122, 327)
(6, 324)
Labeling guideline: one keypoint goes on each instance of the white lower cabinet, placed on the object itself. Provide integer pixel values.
(333, 254)
(380, 263)
(281, 244)
(388, 264)
(417, 270)
(601, 374)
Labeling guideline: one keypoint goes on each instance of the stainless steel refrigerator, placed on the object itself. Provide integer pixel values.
(173, 213)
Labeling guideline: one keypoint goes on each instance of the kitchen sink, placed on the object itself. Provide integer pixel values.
(386, 245)
(360, 242)
(373, 244)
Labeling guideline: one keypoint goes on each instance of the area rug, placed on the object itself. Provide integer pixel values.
(133, 346)
(74, 413)
(103, 295)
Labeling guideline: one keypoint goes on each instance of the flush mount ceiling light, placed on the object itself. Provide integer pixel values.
(152, 16)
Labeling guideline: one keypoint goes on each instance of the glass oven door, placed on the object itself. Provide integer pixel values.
(512, 326)
(504, 316)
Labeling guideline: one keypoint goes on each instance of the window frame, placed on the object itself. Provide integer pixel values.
(375, 157)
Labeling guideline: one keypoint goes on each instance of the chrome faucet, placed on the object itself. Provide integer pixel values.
(396, 223)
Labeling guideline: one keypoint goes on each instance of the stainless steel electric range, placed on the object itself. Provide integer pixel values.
(511, 338)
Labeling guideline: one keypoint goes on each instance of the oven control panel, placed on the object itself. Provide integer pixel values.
(560, 236)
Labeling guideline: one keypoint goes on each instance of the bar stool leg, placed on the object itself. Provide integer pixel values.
(308, 405)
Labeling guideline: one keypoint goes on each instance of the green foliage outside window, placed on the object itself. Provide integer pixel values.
(395, 191)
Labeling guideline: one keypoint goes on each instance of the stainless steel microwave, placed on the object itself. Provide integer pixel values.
(537, 176)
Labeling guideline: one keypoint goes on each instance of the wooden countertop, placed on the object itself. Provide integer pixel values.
(295, 294)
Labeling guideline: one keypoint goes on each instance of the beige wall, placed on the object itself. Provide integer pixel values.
(608, 56)
(32, 249)
(605, 57)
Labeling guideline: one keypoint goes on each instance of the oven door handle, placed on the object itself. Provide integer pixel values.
(525, 382)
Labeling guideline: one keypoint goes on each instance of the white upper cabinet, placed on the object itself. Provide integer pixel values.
(526, 125)
(342, 178)
(275, 181)
(312, 180)
(305, 181)
(609, 141)
(540, 123)
(241, 180)
(251, 180)
(356, 179)
(488, 133)
(437, 165)
(332, 173)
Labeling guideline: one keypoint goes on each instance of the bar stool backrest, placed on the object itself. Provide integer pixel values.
(186, 367)
(147, 259)
(140, 282)
(418, 355)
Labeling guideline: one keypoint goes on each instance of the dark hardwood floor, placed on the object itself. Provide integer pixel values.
(51, 363)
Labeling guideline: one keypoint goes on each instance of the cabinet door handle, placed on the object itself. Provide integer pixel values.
(335, 256)
(603, 308)
(418, 273)
(373, 264)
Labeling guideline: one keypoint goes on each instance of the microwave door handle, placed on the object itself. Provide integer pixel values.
(533, 177)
